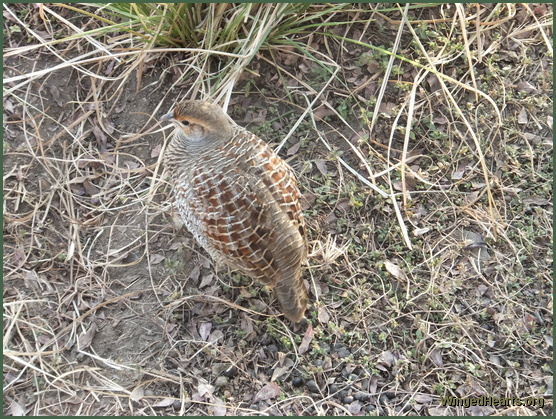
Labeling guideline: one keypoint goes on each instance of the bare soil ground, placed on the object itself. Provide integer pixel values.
(111, 308)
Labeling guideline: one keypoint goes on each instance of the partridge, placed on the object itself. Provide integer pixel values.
(239, 200)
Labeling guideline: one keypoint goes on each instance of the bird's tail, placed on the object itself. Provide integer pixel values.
(291, 293)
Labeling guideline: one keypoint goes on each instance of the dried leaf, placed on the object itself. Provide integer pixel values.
(307, 199)
(46, 36)
(90, 188)
(17, 258)
(529, 321)
(156, 258)
(469, 238)
(422, 398)
(195, 273)
(8, 106)
(216, 335)
(420, 231)
(164, 402)
(321, 165)
(475, 244)
(246, 325)
(137, 394)
(108, 125)
(533, 138)
(436, 357)
(279, 371)
(206, 280)
(304, 68)
(540, 10)
(330, 218)
(131, 164)
(525, 86)
(522, 118)
(323, 315)
(458, 174)
(155, 152)
(204, 389)
(373, 385)
(306, 341)
(80, 179)
(293, 149)
(204, 330)
(85, 339)
(100, 137)
(536, 200)
(109, 67)
(269, 391)
(438, 411)
(16, 409)
(323, 111)
(55, 92)
(74, 400)
(355, 407)
(120, 107)
(394, 270)
(205, 262)
(387, 108)
(433, 83)
(386, 358)
(440, 119)
(218, 408)
(110, 158)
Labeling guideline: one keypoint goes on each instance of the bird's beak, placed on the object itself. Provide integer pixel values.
(167, 117)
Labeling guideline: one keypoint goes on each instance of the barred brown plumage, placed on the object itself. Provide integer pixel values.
(239, 199)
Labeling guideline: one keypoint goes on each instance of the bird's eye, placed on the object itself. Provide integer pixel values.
(184, 122)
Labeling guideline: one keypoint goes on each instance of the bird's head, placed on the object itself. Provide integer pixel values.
(199, 122)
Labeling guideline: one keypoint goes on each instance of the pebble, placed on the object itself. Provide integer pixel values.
(370, 408)
(336, 347)
(344, 352)
(297, 381)
(220, 381)
(348, 399)
(263, 404)
(383, 399)
(230, 372)
(272, 348)
(361, 396)
(312, 386)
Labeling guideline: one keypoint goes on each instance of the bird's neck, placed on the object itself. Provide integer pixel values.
(191, 147)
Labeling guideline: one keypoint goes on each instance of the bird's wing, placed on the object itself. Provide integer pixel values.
(250, 211)
(235, 217)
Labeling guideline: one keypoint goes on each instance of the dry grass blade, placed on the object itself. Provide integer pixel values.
(461, 15)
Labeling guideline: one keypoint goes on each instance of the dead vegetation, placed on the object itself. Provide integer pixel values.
(422, 140)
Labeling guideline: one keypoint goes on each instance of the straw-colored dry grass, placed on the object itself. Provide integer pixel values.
(422, 140)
